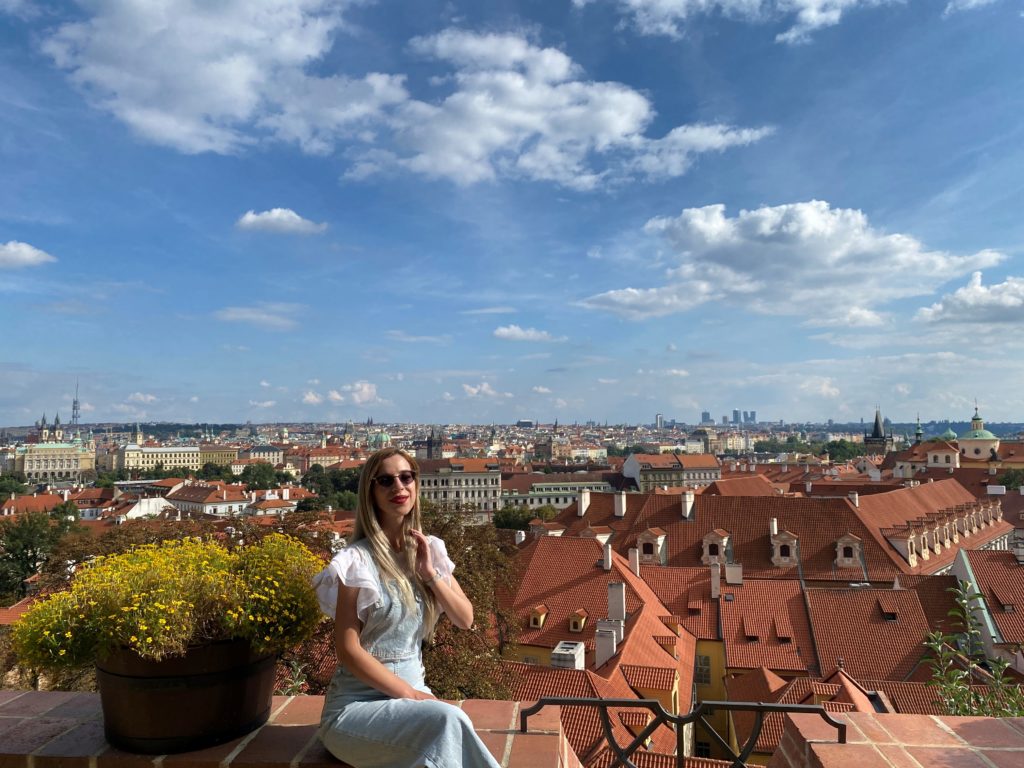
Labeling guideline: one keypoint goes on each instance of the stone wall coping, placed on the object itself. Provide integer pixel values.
(55, 729)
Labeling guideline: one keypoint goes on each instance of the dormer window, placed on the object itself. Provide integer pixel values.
(784, 551)
(716, 545)
(848, 551)
(647, 548)
(578, 620)
(783, 548)
(538, 615)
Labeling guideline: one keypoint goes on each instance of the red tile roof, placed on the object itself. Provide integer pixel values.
(849, 625)
(1000, 581)
(765, 624)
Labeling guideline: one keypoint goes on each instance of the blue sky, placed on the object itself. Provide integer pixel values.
(485, 211)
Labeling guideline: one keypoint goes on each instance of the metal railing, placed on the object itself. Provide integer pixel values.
(695, 716)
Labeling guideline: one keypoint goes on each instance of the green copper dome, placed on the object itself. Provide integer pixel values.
(978, 434)
(949, 434)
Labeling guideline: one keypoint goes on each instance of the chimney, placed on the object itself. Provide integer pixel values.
(607, 560)
(286, 493)
(716, 581)
(688, 497)
(734, 574)
(634, 560)
(807, 487)
(620, 504)
(582, 502)
(855, 498)
(604, 646)
(1018, 551)
(617, 601)
(66, 494)
(774, 527)
(520, 537)
(992, 469)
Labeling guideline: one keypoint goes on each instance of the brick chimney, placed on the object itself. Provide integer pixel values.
(616, 601)
(582, 502)
(606, 561)
(687, 501)
(620, 504)
(604, 646)
(634, 560)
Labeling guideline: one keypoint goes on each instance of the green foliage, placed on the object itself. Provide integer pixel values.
(958, 661)
(12, 484)
(1013, 479)
(211, 471)
(107, 479)
(158, 599)
(259, 476)
(518, 518)
(335, 487)
(26, 542)
(467, 664)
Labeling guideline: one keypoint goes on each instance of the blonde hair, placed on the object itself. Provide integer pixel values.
(397, 570)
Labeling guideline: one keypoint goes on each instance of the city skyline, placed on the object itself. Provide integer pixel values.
(317, 211)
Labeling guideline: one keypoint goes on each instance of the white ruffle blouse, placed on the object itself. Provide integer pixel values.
(352, 567)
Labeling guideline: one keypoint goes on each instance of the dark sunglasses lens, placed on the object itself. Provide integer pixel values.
(406, 477)
(385, 481)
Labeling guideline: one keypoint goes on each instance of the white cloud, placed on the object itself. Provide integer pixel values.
(976, 303)
(271, 316)
(14, 255)
(21, 8)
(542, 390)
(484, 389)
(194, 399)
(141, 397)
(407, 338)
(854, 317)
(515, 333)
(669, 17)
(335, 396)
(313, 382)
(312, 398)
(362, 393)
(264, 383)
(223, 77)
(965, 5)
(607, 381)
(821, 386)
(676, 372)
(804, 259)
(262, 403)
(280, 220)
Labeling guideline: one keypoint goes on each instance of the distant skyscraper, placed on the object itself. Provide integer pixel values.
(735, 415)
(753, 417)
(659, 421)
(705, 417)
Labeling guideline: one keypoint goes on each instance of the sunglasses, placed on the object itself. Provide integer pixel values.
(405, 478)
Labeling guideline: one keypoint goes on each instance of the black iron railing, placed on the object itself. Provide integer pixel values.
(695, 716)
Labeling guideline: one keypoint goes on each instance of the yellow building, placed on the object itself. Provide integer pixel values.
(134, 457)
(221, 455)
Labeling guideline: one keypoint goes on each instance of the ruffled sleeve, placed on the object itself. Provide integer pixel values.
(351, 567)
(439, 556)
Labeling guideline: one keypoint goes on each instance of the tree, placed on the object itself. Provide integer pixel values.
(467, 664)
(843, 450)
(519, 518)
(26, 542)
(1013, 479)
(11, 484)
(958, 663)
(212, 471)
(259, 476)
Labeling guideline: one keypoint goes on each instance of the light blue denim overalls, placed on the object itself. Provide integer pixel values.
(366, 728)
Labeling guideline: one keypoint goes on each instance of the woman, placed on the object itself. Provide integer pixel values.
(385, 592)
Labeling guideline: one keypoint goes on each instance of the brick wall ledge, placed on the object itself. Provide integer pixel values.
(902, 741)
(54, 729)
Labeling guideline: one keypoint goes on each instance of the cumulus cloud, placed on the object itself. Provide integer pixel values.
(279, 220)
(965, 5)
(821, 386)
(312, 398)
(335, 396)
(362, 393)
(489, 311)
(515, 333)
(14, 255)
(141, 397)
(977, 303)
(541, 390)
(262, 403)
(274, 316)
(804, 259)
(483, 389)
(223, 77)
(669, 17)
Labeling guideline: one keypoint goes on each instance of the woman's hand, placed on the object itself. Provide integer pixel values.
(424, 560)
(417, 695)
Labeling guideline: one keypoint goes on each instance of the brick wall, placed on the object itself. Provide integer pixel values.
(53, 729)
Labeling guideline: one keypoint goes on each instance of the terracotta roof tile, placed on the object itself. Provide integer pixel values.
(1001, 583)
(751, 621)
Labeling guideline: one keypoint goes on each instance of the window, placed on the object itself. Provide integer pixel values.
(702, 749)
(848, 552)
(713, 550)
(702, 670)
(648, 548)
(947, 458)
(784, 551)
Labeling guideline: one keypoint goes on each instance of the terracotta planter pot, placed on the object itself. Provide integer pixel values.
(212, 694)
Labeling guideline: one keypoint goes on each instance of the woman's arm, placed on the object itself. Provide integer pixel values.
(356, 659)
(450, 597)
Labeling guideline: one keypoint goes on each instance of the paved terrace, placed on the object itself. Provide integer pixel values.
(65, 730)
(51, 729)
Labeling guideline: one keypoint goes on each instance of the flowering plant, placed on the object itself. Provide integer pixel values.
(159, 599)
